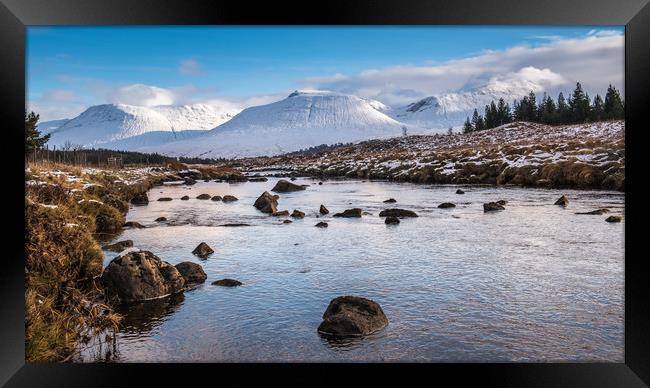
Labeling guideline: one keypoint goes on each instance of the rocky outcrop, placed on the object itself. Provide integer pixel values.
(391, 220)
(267, 203)
(204, 196)
(140, 199)
(562, 201)
(140, 275)
(227, 283)
(492, 206)
(297, 214)
(397, 213)
(446, 205)
(191, 272)
(351, 316)
(119, 246)
(284, 186)
(323, 210)
(203, 250)
(350, 213)
(229, 198)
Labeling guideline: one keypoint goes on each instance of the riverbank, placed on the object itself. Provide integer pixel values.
(583, 156)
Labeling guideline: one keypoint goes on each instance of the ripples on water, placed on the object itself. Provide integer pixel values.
(535, 282)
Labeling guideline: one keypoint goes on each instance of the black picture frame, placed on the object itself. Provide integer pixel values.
(15, 15)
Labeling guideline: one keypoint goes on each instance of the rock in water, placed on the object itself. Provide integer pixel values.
(164, 199)
(229, 198)
(446, 205)
(322, 225)
(189, 181)
(297, 214)
(390, 200)
(140, 275)
(397, 213)
(267, 203)
(352, 316)
(459, 191)
(282, 213)
(185, 198)
(284, 186)
(258, 179)
(323, 210)
(216, 198)
(501, 202)
(287, 221)
(119, 246)
(140, 199)
(597, 212)
(161, 219)
(350, 213)
(391, 220)
(614, 219)
(133, 224)
(562, 201)
(227, 283)
(203, 250)
(204, 196)
(492, 206)
(191, 272)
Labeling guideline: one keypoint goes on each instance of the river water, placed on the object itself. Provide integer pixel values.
(535, 282)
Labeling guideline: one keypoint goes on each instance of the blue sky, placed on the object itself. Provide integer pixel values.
(69, 68)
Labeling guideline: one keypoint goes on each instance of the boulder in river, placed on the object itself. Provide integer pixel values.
(287, 221)
(459, 191)
(614, 219)
(133, 224)
(161, 219)
(390, 200)
(323, 210)
(185, 198)
(596, 212)
(267, 203)
(140, 199)
(119, 246)
(204, 196)
(446, 205)
(203, 250)
(216, 198)
(320, 183)
(191, 272)
(284, 186)
(352, 316)
(140, 275)
(501, 202)
(282, 213)
(297, 214)
(164, 199)
(229, 198)
(189, 181)
(562, 201)
(397, 213)
(350, 213)
(492, 206)
(322, 225)
(227, 283)
(392, 220)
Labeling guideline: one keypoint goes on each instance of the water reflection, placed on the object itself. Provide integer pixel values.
(143, 317)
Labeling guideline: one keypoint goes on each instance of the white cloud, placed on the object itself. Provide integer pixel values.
(190, 67)
(595, 60)
(143, 95)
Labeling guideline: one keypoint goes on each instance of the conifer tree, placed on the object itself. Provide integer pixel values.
(503, 112)
(475, 121)
(598, 109)
(614, 106)
(467, 127)
(33, 138)
(547, 110)
(579, 105)
(563, 111)
(531, 108)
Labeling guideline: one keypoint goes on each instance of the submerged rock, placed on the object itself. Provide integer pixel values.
(140, 199)
(119, 246)
(204, 196)
(297, 214)
(597, 212)
(350, 213)
(446, 205)
(352, 316)
(397, 213)
(164, 199)
(390, 200)
(267, 203)
(492, 206)
(614, 219)
(227, 283)
(287, 221)
(216, 198)
(392, 220)
(322, 225)
(562, 201)
(140, 275)
(191, 272)
(161, 219)
(284, 186)
(203, 250)
(133, 224)
(323, 210)
(229, 198)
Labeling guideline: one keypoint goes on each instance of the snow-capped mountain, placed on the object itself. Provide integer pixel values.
(451, 109)
(46, 127)
(304, 119)
(111, 124)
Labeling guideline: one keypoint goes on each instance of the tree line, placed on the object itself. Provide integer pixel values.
(577, 109)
